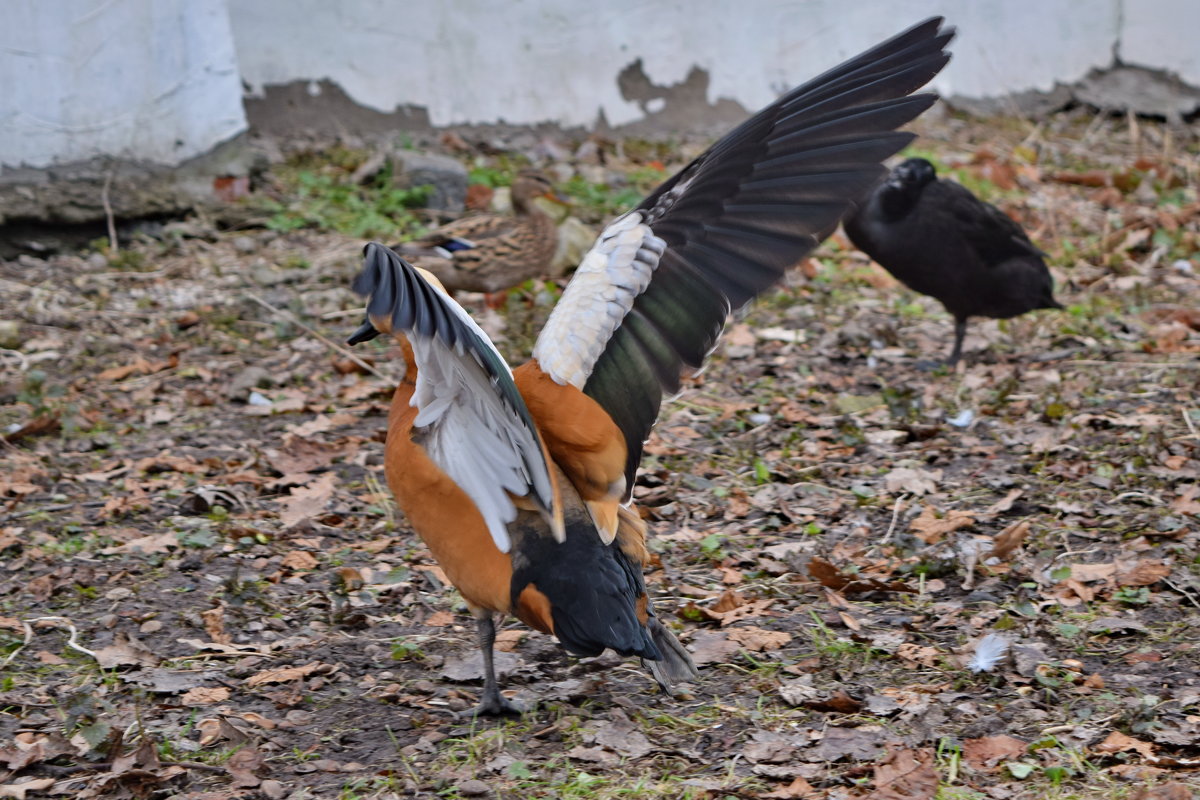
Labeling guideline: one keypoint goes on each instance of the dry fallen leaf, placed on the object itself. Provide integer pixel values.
(18, 791)
(299, 560)
(1009, 540)
(283, 674)
(711, 647)
(913, 481)
(439, 619)
(986, 752)
(798, 788)
(838, 703)
(758, 640)
(1117, 742)
(204, 696)
(214, 625)
(931, 528)
(1143, 573)
(307, 501)
(905, 775)
(125, 651)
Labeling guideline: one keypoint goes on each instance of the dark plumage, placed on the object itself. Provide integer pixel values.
(939, 239)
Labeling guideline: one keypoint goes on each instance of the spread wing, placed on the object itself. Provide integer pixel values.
(651, 297)
(471, 420)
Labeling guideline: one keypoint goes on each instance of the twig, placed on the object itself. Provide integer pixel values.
(1149, 364)
(290, 317)
(1187, 420)
(108, 213)
(22, 359)
(24, 644)
(72, 640)
(887, 537)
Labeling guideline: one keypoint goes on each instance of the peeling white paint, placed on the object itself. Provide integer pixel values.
(151, 80)
(480, 61)
(161, 80)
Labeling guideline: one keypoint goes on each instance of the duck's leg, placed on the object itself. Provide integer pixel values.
(960, 333)
(491, 703)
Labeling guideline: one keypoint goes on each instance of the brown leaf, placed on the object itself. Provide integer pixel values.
(931, 528)
(44, 423)
(308, 501)
(1143, 573)
(925, 656)
(1186, 503)
(299, 455)
(439, 619)
(507, 641)
(298, 560)
(768, 747)
(710, 647)
(204, 696)
(829, 576)
(620, 735)
(1165, 791)
(1005, 503)
(242, 767)
(798, 788)
(17, 791)
(758, 639)
(1009, 540)
(1117, 742)
(905, 775)
(218, 729)
(125, 651)
(147, 545)
(913, 481)
(214, 625)
(283, 674)
(985, 753)
(838, 703)
(1085, 573)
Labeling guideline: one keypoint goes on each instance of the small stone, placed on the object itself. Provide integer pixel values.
(446, 176)
(244, 244)
(273, 790)
(472, 788)
(10, 334)
(97, 261)
(248, 379)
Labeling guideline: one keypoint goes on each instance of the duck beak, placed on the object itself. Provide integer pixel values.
(365, 333)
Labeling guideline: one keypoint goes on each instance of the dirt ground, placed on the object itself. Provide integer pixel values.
(206, 591)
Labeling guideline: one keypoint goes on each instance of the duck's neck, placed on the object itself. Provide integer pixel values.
(897, 202)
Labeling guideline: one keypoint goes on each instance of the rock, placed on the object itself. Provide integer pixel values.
(472, 788)
(244, 244)
(74, 193)
(447, 177)
(246, 380)
(10, 334)
(575, 238)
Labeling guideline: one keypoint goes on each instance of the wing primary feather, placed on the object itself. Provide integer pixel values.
(721, 232)
(472, 420)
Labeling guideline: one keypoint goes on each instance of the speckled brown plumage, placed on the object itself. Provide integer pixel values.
(492, 252)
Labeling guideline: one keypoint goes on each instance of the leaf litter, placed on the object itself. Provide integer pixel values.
(209, 596)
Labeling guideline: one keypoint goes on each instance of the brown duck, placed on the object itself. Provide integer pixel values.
(492, 252)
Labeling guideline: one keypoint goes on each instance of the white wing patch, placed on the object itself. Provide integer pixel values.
(471, 433)
(614, 272)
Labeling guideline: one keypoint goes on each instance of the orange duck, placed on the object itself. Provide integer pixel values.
(519, 481)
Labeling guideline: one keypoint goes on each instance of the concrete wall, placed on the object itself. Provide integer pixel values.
(529, 61)
(160, 81)
(143, 80)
